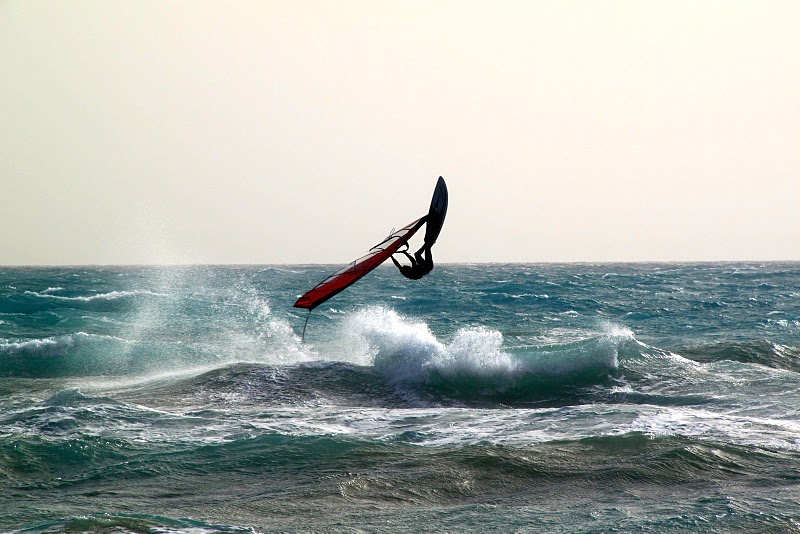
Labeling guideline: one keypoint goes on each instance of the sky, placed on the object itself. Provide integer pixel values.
(269, 132)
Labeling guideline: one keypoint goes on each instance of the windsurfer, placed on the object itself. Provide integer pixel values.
(420, 265)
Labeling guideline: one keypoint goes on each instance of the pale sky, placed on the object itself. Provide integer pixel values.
(303, 132)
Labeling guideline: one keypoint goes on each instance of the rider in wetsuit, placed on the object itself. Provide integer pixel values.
(420, 266)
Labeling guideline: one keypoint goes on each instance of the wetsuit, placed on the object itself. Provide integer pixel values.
(420, 266)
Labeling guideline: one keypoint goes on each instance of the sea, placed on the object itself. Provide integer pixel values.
(484, 397)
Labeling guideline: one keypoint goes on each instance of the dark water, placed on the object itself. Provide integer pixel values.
(576, 398)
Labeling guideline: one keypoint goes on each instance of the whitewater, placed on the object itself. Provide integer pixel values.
(511, 397)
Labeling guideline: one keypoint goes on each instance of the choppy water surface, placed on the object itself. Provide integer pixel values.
(514, 397)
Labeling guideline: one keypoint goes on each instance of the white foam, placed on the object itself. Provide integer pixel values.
(52, 346)
(398, 347)
(461, 426)
(705, 424)
(475, 352)
(43, 347)
(52, 289)
(406, 350)
(113, 295)
(104, 337)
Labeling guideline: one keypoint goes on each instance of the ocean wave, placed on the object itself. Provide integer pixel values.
(722, 488)
(475, 361)
(53, 289)
(66, 397)
(762, 352)
(702, 424)
(273, 268)
(113, 522)
(50, 346)
(110, 296)
(75, 354)
(42, 348)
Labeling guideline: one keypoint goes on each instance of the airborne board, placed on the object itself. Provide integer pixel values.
(352, 272)
(437, 212)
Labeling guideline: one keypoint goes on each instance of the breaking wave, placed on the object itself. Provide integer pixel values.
(474, 363)
(43, 348)
(110, 296)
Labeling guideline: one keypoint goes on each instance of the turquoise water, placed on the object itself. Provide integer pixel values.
(576, 398)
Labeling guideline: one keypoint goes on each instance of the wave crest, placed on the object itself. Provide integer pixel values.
(475, 360)
(110, 296)
(48, 347)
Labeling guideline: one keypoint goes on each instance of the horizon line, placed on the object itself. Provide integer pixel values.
(574, 262)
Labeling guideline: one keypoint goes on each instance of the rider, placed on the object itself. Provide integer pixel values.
(420, 266)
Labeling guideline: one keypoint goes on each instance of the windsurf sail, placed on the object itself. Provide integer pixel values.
(352, 272)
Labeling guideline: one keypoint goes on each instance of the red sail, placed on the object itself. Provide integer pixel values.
(348, 275)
